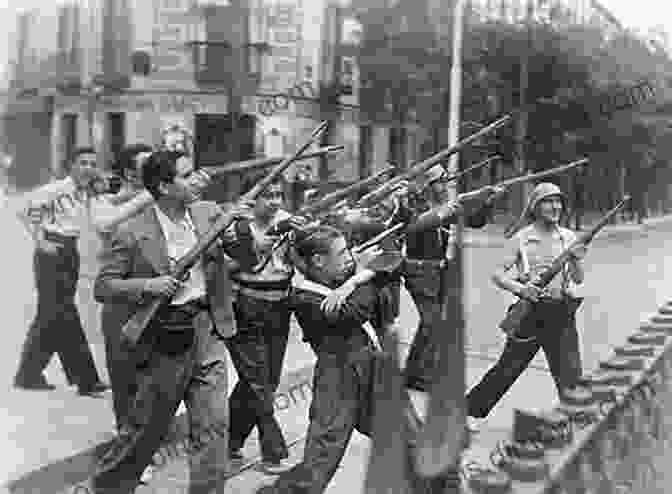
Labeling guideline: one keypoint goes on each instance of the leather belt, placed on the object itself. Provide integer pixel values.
(183, 314)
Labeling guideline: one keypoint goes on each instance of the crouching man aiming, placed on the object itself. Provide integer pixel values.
(345, 343)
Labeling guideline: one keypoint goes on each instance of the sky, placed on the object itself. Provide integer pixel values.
(640, 14)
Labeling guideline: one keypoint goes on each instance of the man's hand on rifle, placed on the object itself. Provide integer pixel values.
(243, 210)
(200, 179)
(291, 223)
(494, 192)
(364, 258)
(333, 302)
(165, 286)
(530, 292)
(578, 251)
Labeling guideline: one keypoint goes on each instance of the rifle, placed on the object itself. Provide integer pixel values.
(522, 308)
(135, 326)
(254, 164)
(319, 206)
(420, 168)
(436, 216)
(445, 178)
(439, 214)
(335, 197)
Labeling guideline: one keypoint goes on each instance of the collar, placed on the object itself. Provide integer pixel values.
(167, 223)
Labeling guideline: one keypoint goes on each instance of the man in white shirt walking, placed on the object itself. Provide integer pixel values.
(53, 216)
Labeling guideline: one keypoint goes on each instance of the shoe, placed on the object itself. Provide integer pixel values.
(38, 384)
(274, 467)
(474, 424)
(95, 390)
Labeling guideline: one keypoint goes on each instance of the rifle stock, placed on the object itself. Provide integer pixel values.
(136, 325)
(522, 308)
(423, 166)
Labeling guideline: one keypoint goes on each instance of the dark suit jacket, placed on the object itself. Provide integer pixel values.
(137, 251)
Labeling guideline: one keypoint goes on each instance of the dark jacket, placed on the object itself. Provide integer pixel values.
(138, 251)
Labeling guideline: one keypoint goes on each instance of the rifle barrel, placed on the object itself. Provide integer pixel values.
(254, 164)
(378, 238)
(439, 214)
(527, 177)
(461, 174)
(343, 193)
(135, 326)
(423, 166)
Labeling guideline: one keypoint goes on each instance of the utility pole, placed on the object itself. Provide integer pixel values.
(329, 82)
(520, 160)
(443, 434)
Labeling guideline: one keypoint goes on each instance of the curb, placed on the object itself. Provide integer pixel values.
(496, 238)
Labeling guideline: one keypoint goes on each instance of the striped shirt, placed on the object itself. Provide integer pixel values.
(273, 282)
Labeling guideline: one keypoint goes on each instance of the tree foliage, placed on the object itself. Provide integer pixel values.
(575, 73)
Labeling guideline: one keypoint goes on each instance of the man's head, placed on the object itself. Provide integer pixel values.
(324, 255)
(129, 164)
(169, 176)
(83, 169)
(547, 203)
(269, 201)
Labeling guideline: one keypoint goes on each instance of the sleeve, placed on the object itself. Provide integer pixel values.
(238, 244)
(101, 209)
(359, 307)
(569, 236)
(112, 284)
(480, 218)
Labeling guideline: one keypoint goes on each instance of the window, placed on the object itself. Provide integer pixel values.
(284, 66)
(172, 4)
(283, 51)
(284, 36)
(171, 33)
(284, 15)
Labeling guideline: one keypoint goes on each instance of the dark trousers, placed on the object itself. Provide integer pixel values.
(258, 350)
(173, 373)
(57, 327)
(551, 327)
(423, 284)
(120, 365)
(343, 386)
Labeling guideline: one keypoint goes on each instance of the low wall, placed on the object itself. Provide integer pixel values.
(619, 443)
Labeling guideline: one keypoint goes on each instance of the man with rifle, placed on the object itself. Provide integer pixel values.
(551, 325)
(262, 313)
(180, 355)
(261, 307)
(345, 342)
